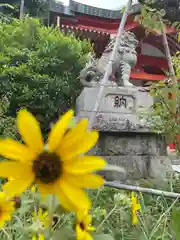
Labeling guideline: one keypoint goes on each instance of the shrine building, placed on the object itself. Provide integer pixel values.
(99, 25)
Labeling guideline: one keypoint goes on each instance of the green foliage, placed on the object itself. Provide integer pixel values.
(176, 222)
(102, 237)
(68, 234)
(36, 7)
(150, 18)
(168, 10)
(65, 234)
(39, 68)
(154, 219)
(5, 5)
(111, 212)
(176, 61)
(33, 8)
(7, 123)
(162, 118)
(3, 8)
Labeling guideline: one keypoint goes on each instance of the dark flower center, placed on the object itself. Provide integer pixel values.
(47, 167)
(82, 226)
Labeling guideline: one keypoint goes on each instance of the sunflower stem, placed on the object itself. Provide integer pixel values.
(50, 214)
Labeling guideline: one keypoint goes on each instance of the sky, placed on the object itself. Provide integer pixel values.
(107, 4)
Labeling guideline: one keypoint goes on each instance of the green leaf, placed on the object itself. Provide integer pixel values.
(24, 209)
(64, 234)
(102, 237)
(6, 5)
(160, 84)
(176, 221)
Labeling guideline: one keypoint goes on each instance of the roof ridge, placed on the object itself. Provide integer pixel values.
(76, 7)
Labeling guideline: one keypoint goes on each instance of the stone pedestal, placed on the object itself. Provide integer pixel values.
(125, 139)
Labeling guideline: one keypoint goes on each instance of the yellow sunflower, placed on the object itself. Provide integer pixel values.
(83, 226)
(135, 208)
(58, 167)
(6, 209)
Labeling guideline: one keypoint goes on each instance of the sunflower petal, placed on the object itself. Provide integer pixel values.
(79, 147)
(91, 229)
(80, 234)
(59, 130)
(16, 151)
(80, 215)
(6, 214)
(134, 219)
(83, 165)
(76, 196)
(75, 134)
(30, 131)
(41, 237)
(85, 181)
(88, 220)
(64, 200)
(88, 236)
(15, 170)
(17, 186)
(45, 189)
(137, 207)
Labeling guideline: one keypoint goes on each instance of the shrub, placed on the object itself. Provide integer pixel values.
(39, 67)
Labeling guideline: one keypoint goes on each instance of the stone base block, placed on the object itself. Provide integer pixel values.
(139, 167)
(125, 140)
(119, 110)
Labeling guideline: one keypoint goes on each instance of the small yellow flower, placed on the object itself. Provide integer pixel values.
(83, 226)
(33, 189)
(39, 237)
(135, 208)
(58, 167)
(41, 218)
(6, 209)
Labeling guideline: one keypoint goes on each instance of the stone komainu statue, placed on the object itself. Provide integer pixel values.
(125, 60)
